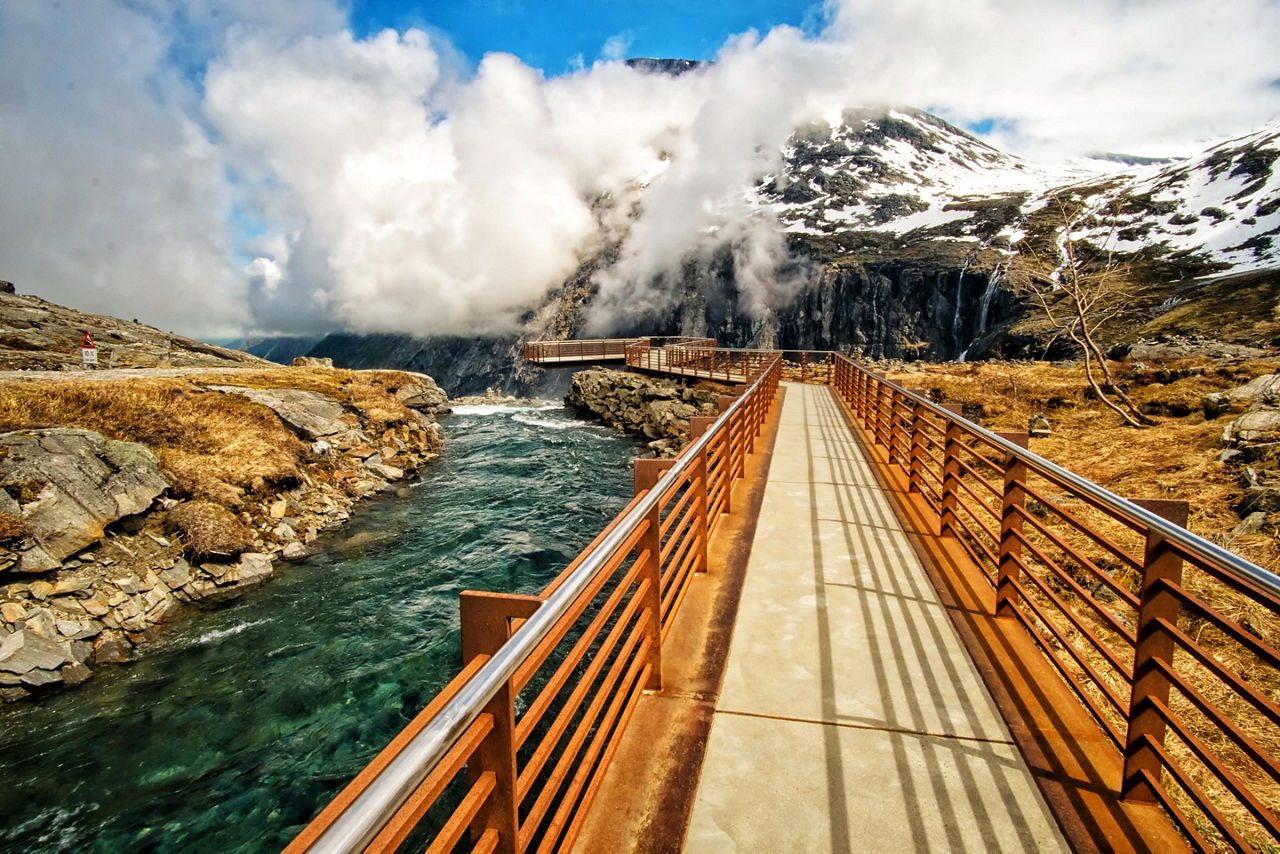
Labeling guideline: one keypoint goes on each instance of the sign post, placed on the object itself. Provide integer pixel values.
(89, 351)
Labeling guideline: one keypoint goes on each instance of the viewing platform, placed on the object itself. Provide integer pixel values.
(847, 619)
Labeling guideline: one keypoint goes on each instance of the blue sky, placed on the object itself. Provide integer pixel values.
(553, 35)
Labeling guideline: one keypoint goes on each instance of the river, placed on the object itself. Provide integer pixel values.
(240, 723)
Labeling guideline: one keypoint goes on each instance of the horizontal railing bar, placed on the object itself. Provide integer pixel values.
(1085, 563)
(1112, 621)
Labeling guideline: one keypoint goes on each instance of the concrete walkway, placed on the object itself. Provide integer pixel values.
(851, 718)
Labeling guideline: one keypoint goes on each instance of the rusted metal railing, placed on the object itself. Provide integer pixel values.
(514, 748)
(1168, 639)
(600, 349)
(580, 350)
(695, 359)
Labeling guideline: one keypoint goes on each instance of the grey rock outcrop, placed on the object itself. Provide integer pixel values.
(308, 413)
(657, 409)
(71, 484)
(423, 395)
(1260, 423)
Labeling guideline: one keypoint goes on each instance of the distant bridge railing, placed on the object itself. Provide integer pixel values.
(1167, 638)
(600, 349)
(514, 748)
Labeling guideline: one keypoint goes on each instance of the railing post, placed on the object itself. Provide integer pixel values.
(647, 474)
(750, 412)
(702, 499)
(804, 367)
(486, 625)
(915, 469)
(730, 459)
(860, 396)
(881, 416)
(891, 426)
(947, 518)
(1162, 566)
(1010, 549)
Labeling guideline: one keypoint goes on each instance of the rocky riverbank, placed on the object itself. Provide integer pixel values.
(103, 540)
(656, 408)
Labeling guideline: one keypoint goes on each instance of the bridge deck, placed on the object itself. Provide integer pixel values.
(851, 717)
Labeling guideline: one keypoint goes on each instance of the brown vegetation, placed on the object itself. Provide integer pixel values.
(209, 530)
(12, 527)
(1176, 458)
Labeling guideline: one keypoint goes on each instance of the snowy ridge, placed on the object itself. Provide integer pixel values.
(1222, 206)
(906, 174)
(894, 172)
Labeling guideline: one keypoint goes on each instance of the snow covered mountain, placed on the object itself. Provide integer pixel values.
(909, 174)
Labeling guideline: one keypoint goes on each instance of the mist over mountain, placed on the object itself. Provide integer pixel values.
(886, 232)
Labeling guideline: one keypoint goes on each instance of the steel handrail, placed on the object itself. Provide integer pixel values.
(361, 821)
(1197, 545)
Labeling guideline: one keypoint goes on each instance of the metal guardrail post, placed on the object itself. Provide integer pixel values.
(486, 626)
(881, 411)
(1157, 606)
(947, 518)
(697, 426)
(1010, 548)
(915, 474)
(730, 458)
(647, 473)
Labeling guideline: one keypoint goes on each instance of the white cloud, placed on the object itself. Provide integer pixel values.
(1154, 77)
(140, 135)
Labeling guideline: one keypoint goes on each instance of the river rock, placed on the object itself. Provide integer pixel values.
(82, 482)
(656, 408)
(24, 651)
(385, 471)
(423, 395)
(294, 551)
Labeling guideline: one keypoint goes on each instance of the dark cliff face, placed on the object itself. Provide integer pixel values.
(936, 309)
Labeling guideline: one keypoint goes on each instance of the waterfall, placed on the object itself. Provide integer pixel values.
(992, 283)
(955, 320)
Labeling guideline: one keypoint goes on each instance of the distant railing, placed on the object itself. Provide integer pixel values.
(1168, 639)
(600, 349)
(514, 748)
(578, 350)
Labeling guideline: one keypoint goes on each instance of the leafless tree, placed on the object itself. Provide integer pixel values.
(1081, 289)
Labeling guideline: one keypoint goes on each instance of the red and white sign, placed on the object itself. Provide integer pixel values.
(89, 351)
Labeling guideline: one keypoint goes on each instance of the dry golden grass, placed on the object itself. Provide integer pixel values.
(209, 530)
(211, 445)
(1177, 458)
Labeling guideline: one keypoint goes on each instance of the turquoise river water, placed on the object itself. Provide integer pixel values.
(240, 723)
